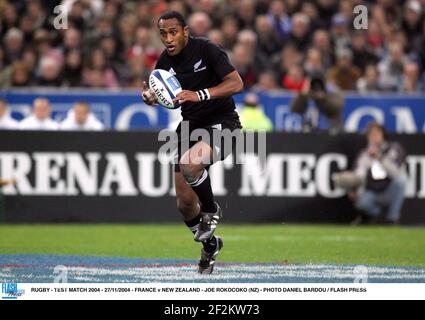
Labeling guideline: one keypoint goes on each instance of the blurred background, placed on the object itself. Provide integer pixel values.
(313, 79)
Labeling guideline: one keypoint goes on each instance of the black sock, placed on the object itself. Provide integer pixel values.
(194, 223)
(202, 188)
(209, 245)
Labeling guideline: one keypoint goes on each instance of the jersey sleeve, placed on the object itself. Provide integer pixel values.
(218, 59)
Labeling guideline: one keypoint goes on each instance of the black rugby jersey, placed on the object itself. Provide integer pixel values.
(201, 65)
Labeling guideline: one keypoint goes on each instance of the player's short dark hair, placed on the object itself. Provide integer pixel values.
(173, 15)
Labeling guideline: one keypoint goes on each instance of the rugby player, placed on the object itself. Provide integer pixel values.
(209, 80)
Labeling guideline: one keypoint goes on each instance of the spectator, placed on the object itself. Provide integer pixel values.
(40, 118)
(346, 9)
(97, 74)
(375, 37)
(248, 39)
(340, 32)
(2, 57)
(253, 117)
(288, 57)
(413, 19)
(10, 18)
(266, 82)
(143, 48)
(280, 21)
(327, 103)
(50, 73)
(322, 42)
(72, 40)
(13, 44)
(80, 118)
(313, 64)
(20, 76)
(216, 36)
(391, 68)
(122, 29)
(127, 28)
(294, 80)
(411, 81)
(72, 70)
(310, 9)
(344, 75)
(370, 82)
(230, 30)
(379, 178)
(419, 47)
(327, 9)
(292, 7)
(300, 31)
(26, 25)
(37, 14)
(268, 41)
(103, 27)
(44, 47)
(109, 46)
(29, 60)
(6, 121)
(362, 55)
(246, 14)
(243, 61)
(199, 24)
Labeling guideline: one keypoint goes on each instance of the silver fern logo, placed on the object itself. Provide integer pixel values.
(196, 67)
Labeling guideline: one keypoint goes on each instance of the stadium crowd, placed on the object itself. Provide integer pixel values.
(274, 44)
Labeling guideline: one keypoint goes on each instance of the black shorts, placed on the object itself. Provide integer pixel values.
(220, 136)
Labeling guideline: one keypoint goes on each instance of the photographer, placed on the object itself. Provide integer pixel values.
(379, 180)
(327, 103)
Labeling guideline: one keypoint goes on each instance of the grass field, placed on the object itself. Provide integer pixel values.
(294, 244)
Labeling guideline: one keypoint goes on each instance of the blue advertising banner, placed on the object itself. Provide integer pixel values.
(125, 110)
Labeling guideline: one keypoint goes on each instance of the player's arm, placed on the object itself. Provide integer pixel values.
(231, 84)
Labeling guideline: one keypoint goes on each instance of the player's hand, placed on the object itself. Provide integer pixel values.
(185, 96)
(148, 96)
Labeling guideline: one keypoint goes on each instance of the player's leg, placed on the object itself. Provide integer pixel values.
(187, 200)
(193, 165)
(187, 203)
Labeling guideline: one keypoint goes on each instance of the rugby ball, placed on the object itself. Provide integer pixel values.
(165, 86)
